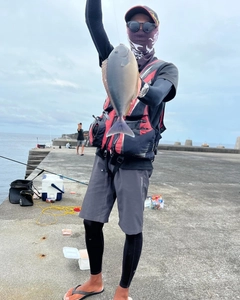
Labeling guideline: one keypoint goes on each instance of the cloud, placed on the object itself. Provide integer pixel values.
(55, 82)
(50, 78)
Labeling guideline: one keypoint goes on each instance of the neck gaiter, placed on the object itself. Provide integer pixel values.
(141, 44)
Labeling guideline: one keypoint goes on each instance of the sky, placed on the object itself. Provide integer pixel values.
(50, 79)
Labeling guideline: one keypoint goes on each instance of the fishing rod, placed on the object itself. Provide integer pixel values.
(42, 170)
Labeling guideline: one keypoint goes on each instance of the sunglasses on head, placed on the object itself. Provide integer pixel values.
(147, 27)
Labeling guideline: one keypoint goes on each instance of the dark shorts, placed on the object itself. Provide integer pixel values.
(129, 187)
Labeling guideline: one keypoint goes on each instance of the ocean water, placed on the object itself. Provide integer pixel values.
(16, 147)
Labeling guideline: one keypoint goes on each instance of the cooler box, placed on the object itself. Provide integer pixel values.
(52, 187)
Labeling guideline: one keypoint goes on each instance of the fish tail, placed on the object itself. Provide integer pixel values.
(120, 126)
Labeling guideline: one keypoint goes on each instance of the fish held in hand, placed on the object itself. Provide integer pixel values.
(121, 81)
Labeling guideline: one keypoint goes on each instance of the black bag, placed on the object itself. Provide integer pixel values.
(97, 130)
(26, 198)
(16, 187)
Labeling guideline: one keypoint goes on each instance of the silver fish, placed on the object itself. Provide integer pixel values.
(121, 81)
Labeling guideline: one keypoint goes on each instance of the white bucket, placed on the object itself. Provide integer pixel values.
(52, 187)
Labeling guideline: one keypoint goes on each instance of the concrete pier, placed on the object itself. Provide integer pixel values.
(191, 247)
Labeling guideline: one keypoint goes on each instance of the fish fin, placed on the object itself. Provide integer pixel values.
(104, 76)
(137, 88)
(120, 126)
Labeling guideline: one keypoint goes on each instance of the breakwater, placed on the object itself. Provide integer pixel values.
(198, 149)
(35, 157)
(61, 142)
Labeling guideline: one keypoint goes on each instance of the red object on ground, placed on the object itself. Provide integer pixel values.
(77, 209)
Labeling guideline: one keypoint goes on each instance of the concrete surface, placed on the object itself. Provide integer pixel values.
(191, 247)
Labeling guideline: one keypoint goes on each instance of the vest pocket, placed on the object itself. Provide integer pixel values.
(142, 145)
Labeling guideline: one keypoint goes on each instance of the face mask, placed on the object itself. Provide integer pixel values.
(142, 44)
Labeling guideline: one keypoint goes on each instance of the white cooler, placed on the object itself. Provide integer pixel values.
(52, 187)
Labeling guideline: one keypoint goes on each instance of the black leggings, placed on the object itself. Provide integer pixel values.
(95, 247)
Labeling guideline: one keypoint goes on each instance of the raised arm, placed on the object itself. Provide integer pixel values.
(93, 15)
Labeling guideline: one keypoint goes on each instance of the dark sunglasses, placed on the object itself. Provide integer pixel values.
(147, 27)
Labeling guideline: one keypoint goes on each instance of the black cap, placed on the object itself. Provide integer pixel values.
(142, 10)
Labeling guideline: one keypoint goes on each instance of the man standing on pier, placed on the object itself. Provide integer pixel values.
(119, 173)
(80, 139)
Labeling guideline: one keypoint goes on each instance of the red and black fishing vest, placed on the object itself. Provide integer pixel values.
(146, 139)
